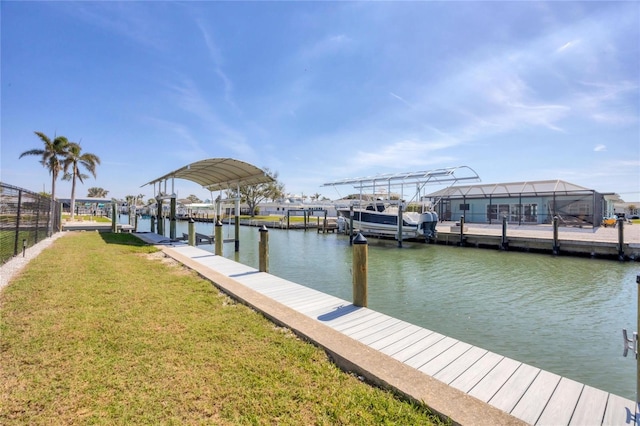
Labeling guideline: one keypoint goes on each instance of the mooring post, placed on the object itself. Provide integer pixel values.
(114, 214)
(263, 250)
(351, 224)
(236, 222)
(621, 239)
(360, 266)
(153, 224)
(172, 220)
(399, 225)
(556, 243)
(192, 232)
(218, 238)
(159, 217)
(505, 243)
(461, 231)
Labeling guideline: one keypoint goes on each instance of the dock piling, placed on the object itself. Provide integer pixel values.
(360, 266)
(192, 232)
(400, 225)
(263, 250)
(556, 243)
(461, 231)
(172, 220)
(504, 245)
(621, 239)
(218, 238)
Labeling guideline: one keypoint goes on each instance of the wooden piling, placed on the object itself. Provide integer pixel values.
(399, 225)
(461, 231)
(192, 232)
(159, 217)
(236, 221)
(172, 220)
(351, 224)
(504, 245)
(621, 239)
(218, 238)
(360, 266)
(263, 250)
(556, 243)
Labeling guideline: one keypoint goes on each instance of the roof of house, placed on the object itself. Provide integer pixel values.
(539, 187)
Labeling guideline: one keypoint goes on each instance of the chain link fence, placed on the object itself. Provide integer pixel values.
(24, 219)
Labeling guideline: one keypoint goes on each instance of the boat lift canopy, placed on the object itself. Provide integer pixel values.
(448, 176)
(217, 174)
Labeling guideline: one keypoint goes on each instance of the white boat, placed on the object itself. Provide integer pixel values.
(380, 218)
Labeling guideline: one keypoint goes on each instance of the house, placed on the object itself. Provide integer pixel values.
(534, 202)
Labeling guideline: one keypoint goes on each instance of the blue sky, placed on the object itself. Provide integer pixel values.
(321, 91)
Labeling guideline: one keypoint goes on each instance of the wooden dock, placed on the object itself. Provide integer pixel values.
(527, 393)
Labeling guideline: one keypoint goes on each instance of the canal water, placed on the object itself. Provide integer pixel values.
(561, 314)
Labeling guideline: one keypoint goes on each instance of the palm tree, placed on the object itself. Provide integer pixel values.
(73, 159)
(50, 157)
(96, 192)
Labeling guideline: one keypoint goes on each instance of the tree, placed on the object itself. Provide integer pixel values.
(252, 195)
(194, 199)
(74, 158)
(51, 157)
(95, 192)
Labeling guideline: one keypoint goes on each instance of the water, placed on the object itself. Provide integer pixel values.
(561, 314)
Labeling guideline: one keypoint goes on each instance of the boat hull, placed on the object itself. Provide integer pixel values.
(373, 223)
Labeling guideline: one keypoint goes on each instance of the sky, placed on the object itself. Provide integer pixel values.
(323, 91)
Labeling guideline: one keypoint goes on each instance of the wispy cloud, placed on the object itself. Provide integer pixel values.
(329, 45)
(401, 99)
(216, 58)
(191, 100)
(567, 45)
(600, 148)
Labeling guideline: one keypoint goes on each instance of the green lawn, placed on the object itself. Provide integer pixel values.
(99, 329)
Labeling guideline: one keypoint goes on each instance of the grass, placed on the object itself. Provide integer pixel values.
(100, 329)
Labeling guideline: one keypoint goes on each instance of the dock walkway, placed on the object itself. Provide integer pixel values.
(466, 383)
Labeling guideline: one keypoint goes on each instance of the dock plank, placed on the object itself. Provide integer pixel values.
(590, 407)
(445, 358)
(460, 365)
(471, 377)
(417, 346)
(486, 388)
(560, 406)
(395, 337)
(374, 329)
(406, 341)
(619, 411)
(388, 330)
(536, 397)
(365, 323)
(514, 388)
(433, 351)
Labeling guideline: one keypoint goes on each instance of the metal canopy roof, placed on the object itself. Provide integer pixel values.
(218, 173)
(437, 176)
(534, 188)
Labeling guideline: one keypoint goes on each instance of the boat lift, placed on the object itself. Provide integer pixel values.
(446, 176)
